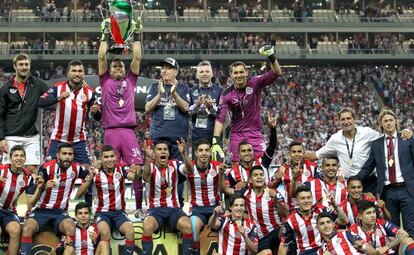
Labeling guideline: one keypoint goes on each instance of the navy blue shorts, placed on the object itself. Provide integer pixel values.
(113, 219)
(51, 217)
(271, 241)
(6, 217)
(164, 215)
(203, 212)
(80, 151)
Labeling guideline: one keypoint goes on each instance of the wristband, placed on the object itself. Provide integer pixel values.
(272, 58)
(215, 139)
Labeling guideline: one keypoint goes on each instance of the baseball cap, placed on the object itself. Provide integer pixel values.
(170, 61)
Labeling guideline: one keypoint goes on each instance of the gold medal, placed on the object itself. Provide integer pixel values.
(350, 162)
(121, 102)
(390, 162)
(168, 191)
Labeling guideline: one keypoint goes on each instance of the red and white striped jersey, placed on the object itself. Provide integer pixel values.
(238, 173)
(109, 190)
(204, 186)
(352, 209)
(262, 210)
(163, 185)
(83, 243)
(230, 240)
(310, 171)
(379, 237)
(304, 229)
(71, 112)
(13, 186)
(340, 244)
(320, 190)
(58, 196)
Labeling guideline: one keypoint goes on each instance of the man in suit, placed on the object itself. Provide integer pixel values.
(394, 159)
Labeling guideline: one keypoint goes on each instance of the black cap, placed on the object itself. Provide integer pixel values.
(170, 61)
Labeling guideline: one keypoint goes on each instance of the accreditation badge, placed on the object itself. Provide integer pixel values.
(169, 112)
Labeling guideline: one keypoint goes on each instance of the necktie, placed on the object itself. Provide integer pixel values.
(391, 161)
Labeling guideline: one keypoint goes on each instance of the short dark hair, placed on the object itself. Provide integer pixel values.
(256, 167)
(107, 147)
(82, 205)
(353, 178)
(347, 109)
(302, 188)
(64, 145)
(244, 142)
(295, 143)
(21, 56)
(75, 62)
(330, 156)
(324, 214)
(234, 64)
(163, 141)
(202, 141)
(117, 60)
(17, 148)
(235, 196)
(364, 205)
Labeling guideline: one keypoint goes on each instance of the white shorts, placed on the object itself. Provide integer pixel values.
(31, 146)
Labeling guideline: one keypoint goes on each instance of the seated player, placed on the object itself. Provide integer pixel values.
(383, 235)
(162, 177)
(203, 178)
(87, 235)
(14, 180)
(108, 183)
(237, 235)
(339, 242)
(52, 201)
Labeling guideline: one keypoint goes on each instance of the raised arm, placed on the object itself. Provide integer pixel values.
(102, 62)
(136, 61)
(188, 167)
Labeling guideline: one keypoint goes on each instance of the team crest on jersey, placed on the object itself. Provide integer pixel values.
(22, 184)
(341, 185)
(338, 240)
(307, 173)
(72, 175)
(195, 93)
(117, 175)
(13, 90)
(249, 90)
(378, 232)
(213, 173)
(82, 97)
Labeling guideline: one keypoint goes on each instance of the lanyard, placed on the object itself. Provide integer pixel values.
(350, 153)
(241, 103)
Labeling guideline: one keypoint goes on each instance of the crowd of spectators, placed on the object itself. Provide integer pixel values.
(305, 100)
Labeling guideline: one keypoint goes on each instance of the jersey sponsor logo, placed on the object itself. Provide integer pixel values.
(13, 90)
(249, 90)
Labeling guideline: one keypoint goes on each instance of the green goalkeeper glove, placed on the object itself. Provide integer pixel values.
(268, 51)
(217, 152)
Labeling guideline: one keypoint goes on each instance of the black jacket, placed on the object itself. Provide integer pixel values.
(17, 115)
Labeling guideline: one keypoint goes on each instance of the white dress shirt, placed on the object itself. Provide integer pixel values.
(362, 148)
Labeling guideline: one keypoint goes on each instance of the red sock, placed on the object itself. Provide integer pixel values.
(196, 245)
(188, 236)
(130, 243)
(146, 238)
(27, 239)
